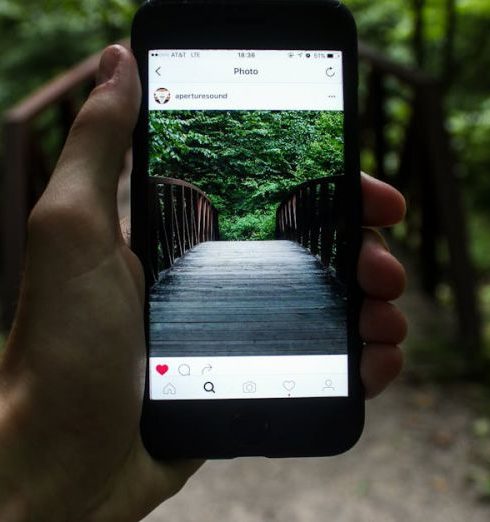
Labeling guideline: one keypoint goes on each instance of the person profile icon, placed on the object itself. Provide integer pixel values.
(162, 96)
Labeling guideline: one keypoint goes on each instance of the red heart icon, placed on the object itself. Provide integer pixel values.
(162, 369)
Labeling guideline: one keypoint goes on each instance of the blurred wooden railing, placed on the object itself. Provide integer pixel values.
(27, 166)
(309, 216)
(181, 216)
(420, 164)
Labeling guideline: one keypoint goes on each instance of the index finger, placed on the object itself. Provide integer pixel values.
(383, 205)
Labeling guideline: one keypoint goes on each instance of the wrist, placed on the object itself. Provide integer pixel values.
(22, 488)
(13, 504)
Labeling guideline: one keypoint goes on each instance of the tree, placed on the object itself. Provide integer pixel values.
(41, 39)
(246, 160)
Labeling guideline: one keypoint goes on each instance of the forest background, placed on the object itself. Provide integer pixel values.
(446, 38)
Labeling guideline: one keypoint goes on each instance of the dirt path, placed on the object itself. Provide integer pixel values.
(411, 465)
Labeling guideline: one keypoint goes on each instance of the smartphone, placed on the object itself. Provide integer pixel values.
(246, 215)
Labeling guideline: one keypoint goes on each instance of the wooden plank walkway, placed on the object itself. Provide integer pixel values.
(246, 298)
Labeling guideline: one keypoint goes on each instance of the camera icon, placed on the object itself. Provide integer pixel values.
(249, 387)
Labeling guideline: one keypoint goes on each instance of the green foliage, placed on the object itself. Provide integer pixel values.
(41, 39)
(256, 225)
(471, 139)
(389, 26)
(246, 160)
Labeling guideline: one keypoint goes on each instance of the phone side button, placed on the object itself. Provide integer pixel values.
(249, 429)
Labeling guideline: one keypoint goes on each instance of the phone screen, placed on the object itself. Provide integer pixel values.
(238, 309)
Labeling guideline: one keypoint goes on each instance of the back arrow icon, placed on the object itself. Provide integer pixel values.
(158, 71)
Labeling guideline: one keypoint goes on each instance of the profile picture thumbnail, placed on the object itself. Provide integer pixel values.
(162, 96)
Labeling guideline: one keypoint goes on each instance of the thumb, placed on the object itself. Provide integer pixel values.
(88, 170)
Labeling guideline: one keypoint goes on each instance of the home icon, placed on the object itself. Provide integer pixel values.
(169, 389)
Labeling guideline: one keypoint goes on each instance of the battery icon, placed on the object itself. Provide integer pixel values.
(330, 55)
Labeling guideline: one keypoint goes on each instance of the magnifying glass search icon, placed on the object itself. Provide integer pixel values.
(209, 387)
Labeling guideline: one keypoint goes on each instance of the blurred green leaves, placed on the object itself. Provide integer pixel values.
(41, 39)
(455, 49)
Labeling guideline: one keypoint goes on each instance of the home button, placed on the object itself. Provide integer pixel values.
(249, 429)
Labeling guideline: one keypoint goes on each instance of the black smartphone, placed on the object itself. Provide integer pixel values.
(246, 215)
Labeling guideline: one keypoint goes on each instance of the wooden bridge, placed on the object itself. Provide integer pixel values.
(245, 297)
(420, 163)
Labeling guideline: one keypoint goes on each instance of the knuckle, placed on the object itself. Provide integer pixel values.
(42, 218)
(61, 219)
(103, 112)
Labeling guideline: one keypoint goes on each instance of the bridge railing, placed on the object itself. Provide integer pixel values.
(420, 165)
(308, 215)
(415, 154)
(181, 216)
(33, 133)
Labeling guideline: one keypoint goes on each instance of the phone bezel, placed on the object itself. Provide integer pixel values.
(265, 427)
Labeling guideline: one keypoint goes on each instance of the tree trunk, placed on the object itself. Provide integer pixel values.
(448, 50)
(418, 32)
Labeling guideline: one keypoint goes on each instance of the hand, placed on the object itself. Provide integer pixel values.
(72, 378)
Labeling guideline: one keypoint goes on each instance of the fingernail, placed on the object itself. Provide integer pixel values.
(108, 64)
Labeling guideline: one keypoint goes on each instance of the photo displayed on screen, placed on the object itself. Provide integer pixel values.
(248, 296)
